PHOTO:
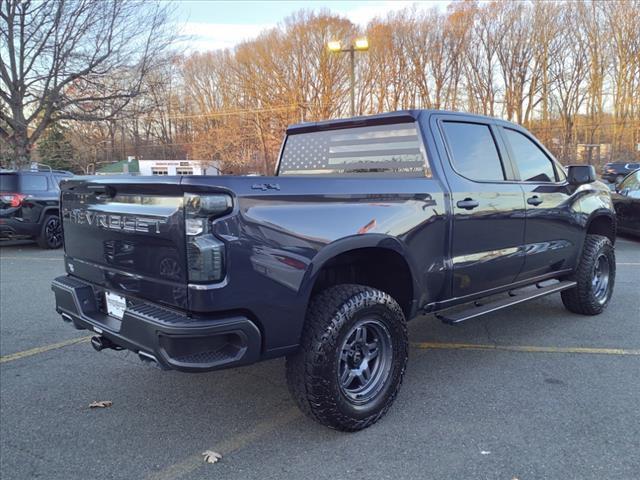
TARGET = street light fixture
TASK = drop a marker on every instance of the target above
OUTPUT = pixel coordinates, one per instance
(359, 45)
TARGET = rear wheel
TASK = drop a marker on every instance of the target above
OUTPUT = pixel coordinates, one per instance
(51, 234)
(595, 277)
(352, 357)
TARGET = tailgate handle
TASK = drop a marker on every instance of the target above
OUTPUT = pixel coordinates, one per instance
(103, 191)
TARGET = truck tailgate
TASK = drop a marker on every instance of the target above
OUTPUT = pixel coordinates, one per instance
(127, 237)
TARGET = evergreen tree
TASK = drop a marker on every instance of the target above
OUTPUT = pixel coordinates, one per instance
(55, 150)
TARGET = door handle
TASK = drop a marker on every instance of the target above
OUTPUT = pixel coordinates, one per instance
(467, 204)
(535, 200)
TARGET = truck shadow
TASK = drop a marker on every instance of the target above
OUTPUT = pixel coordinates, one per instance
(213, 405)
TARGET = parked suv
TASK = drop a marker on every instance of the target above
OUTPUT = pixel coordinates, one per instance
(30, 205)
(616, 171)
(369, 222)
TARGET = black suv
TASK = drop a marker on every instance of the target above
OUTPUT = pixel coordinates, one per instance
(614, 172)
(29, 205)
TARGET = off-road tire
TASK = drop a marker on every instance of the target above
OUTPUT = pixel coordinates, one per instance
(46, 239)
(582, 298)
(312, 372)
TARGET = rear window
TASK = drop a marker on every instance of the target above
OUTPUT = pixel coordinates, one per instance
(33, 183)
(375, 150)
(8, 182)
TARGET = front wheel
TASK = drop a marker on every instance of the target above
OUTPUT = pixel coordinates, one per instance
(51, 234)
(352, 357)
(595, 277)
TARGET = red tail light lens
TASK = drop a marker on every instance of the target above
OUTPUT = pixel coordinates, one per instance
(13, 199)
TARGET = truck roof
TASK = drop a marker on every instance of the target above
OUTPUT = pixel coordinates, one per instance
(399, 116)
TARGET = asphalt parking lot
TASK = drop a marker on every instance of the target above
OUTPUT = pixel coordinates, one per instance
(543, 394)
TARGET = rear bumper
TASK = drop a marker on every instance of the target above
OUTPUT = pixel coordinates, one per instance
(175, 340)
(10, 228)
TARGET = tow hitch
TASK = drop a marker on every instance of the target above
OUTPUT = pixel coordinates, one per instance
(99, 343)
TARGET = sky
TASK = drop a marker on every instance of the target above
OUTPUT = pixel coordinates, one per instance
(211, 25)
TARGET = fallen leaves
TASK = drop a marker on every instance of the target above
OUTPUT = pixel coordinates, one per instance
(101, 404)
(211, 457)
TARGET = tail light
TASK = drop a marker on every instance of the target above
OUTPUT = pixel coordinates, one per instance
(13, 199)
(205, 253)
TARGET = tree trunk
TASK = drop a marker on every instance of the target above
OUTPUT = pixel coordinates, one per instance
(21, 147)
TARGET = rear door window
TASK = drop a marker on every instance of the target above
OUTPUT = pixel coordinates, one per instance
(33, 183)
(374, 150)
(533, 164)
(474, 151)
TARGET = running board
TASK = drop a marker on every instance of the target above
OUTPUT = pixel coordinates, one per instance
(513, 299)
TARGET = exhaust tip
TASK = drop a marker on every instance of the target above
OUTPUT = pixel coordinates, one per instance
(149, 359)
(98, 343)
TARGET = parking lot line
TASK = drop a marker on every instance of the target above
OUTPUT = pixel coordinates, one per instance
(226, 447)
(524, 348)
(419, 345)
(2, 257)
(45, 348)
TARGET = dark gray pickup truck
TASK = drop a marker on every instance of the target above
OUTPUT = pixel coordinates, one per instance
(369, 222)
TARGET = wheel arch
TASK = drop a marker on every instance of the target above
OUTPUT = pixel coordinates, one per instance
(378, 261)
(602, 222)
(51, 210)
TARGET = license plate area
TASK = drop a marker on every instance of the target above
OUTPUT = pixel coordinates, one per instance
(116, 304)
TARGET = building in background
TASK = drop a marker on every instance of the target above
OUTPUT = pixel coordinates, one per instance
(133, 166)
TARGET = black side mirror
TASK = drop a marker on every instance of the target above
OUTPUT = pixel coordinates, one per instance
(581, 174)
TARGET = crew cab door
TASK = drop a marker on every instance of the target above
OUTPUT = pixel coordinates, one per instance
(553, 237)
(488, 212)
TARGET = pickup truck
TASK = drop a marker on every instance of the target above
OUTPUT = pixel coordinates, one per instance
(369, 222)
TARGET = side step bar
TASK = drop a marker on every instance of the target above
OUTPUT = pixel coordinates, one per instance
(513, 299)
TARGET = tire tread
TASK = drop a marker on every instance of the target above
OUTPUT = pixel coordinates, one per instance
(327, 313)
(580, 298)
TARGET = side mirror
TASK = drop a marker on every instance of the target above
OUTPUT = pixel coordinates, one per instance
(581, 174)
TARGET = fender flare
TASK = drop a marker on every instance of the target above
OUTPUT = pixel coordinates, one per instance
(356, 242)
(601, 212)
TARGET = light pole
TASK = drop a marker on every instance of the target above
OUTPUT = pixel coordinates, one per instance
(360, 45)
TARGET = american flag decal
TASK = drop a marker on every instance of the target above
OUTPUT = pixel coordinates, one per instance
(372, 150)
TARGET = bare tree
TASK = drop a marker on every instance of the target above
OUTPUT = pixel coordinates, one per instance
(62, 60)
